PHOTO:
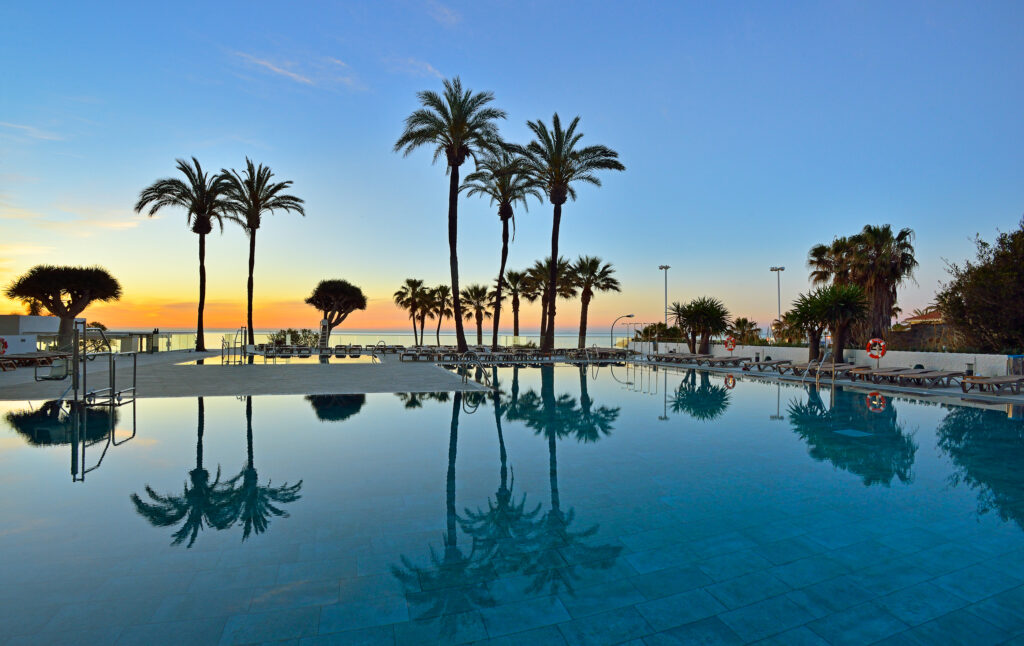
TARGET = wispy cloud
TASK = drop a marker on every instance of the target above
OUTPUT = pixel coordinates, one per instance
(415, 67)
(19, 249)
(30, 131)
(275, 68)
(444, 15)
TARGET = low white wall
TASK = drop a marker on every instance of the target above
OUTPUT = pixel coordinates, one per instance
(17, 344)
(22, 324)
(988, 365)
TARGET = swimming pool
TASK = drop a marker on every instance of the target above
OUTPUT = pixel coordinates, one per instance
(577, 505)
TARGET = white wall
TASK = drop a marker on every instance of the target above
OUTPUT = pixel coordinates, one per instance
(20, 324)
(18, 344)
(988, 365)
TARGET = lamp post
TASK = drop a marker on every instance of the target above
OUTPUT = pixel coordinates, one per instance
(778, 285)
(665, 268)
(612, 333)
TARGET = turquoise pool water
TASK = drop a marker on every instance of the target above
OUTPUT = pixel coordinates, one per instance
(576, 506)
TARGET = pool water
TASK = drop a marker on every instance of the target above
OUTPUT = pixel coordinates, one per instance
(575, 506)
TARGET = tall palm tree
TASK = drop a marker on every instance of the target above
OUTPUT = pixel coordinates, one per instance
(591, 275)
(682, 316)
(502, 177)
(440, 306)
(516, 281)
(250, 197)
(457, 124)
(249, 502)
(556, 164)
(477, 302)
(204, 198)
(709, 317)
(203, 504)
(412, 296)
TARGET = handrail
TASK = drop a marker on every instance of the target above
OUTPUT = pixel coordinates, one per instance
(475, 360)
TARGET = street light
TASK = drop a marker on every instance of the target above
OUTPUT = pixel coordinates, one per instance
(665, 268)
(612, 333)
(778, 283)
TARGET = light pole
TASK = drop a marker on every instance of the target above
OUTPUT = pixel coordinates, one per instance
(665, 268)
(778, 284)
(612, 333)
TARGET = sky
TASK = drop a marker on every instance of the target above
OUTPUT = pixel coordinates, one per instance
(749, 132)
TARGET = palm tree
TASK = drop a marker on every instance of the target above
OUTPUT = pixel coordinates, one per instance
(540, 274)
(875, 259)
(705, 402)
(457, 124)
(682, 316)
(203, 504)
(591, 274)
(709, 317)
(335, 299)
(249, 502)
(842, 306)
(412, 296)
(477, 301)
(440, 306)
(556, 164)
(250, 197)
(65, 292)
(502, 177)
(744, 330)
(808, 315)
(204, 198)
(516, 281)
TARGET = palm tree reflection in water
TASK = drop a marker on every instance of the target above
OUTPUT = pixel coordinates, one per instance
(250, 503)
(199, 505)
(508, 537)
(705, 402)
(872, 445)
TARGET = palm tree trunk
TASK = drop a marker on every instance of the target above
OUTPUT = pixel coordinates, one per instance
(453, 254)
(584, 304)
(453, 444)
(200, 428)
(440, 317)
(503, 488)
(479, 328)
(249, 430)
(501, 280)
(423, 323)
(543, 317)
(412, 317)
(200, 340)
(515, 316)
(549, 339)
(249, 285)
(66, 333)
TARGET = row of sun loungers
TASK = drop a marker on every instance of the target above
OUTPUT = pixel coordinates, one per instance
(15, 361)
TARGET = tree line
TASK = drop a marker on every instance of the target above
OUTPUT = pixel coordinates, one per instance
(585, 277)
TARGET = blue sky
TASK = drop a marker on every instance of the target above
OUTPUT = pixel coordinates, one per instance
(750, 131)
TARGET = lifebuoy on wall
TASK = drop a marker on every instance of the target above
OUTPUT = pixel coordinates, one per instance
(875, 401)
(3, 345)
(730, 343)
(876, 348)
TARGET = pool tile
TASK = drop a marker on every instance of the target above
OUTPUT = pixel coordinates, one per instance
(732, 565)
(958, 627)
(300, 571)
(79, 637)
(661, 558)
(99, 615)
(708, 632)
(678, 609)
(612, 627)
(665, 583)
(889, 577)
(524, 615)
(238, 577)
(766, 618)
(747, 589)
(193, 631)
(546, 636)
(362, 612)
(198, 605)
(713, 546)
(459, 628)
(802, 636)
(830, 596)
(295, 595)
(808, 571)
(857, 626)
(911, 540)
(375, 636)
(920, 603)
(976, 582)
(1004, 610)
(600, 598)
(275, 625)
(789, 549)
(864, 554)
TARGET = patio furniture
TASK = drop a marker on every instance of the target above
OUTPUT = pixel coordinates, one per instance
(762, 365)
(994, 385)
(930, 379)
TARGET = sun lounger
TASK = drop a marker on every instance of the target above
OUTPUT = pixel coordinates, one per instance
(723, 361)
(834, 369)
(892, 375)
(762, 365)
(796, 369)
(993, 385)
(867, 373)
(929, 379)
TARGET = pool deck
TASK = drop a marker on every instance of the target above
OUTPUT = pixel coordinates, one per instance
(161, 376)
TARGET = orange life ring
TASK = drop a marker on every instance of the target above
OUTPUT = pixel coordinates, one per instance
(875, 401)
(876, 348)
(3, 345)
(730, 343)
(730, 382)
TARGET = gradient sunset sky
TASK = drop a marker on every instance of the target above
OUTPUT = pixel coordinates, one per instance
(750, 132)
